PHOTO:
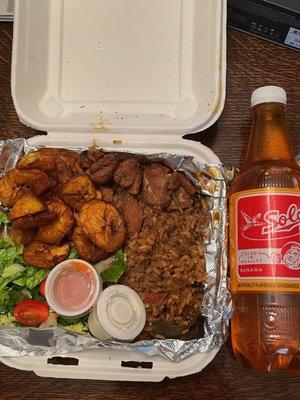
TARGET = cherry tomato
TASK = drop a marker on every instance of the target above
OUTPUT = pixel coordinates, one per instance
(42, 288)
(31, 312)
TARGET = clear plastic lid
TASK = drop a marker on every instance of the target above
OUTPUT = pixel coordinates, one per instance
(121, 312)
(72, 287)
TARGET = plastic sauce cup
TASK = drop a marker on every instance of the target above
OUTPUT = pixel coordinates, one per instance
(72, 288)
(120, 314)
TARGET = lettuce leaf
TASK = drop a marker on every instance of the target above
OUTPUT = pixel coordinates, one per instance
(6, 242)
(12, 270)
(8, 320)
(73, 254)
(116, 269)
(9, 297)
(35, 278)
(4, 301)
(10, 273)
(79, 328)
(9, 253)
(31, 277)
(18, 280)
(4, 218)
(67, 321)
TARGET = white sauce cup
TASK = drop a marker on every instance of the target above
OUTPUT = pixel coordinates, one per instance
(72, 288)
(120, 314)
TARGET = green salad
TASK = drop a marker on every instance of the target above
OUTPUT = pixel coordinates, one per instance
(18, 280)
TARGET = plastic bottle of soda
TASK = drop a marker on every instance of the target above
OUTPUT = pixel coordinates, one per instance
(265, 242)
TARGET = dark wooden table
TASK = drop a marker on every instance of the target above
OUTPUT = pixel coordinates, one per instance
(251, 63)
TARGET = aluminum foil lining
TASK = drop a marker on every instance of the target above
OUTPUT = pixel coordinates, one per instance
(217, 306)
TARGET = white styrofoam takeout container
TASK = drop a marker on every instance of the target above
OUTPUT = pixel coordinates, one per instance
(128, 75)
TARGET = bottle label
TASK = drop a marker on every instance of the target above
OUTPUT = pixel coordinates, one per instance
(265, 240)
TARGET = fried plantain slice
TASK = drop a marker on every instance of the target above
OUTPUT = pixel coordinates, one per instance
(44, 158)
(58, 151)
(86, 249)
(16, 179)
(36, 180)
(60, 164)
(77, 191)
(27, 204)
(20, 236)
(38, 160)
(43, 255)
(56, 230)
(66, 168)
(103, 224)
(8, 189)
(34, 221)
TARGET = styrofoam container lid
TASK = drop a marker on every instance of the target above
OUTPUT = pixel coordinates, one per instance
(119, 66)
(130, 75)
(121, 312)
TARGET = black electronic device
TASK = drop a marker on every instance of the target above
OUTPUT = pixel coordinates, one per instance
(275, 20)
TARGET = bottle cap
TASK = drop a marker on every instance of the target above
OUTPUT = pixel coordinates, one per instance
(268, 94)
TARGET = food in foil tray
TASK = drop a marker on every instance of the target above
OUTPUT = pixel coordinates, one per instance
(141, 225)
